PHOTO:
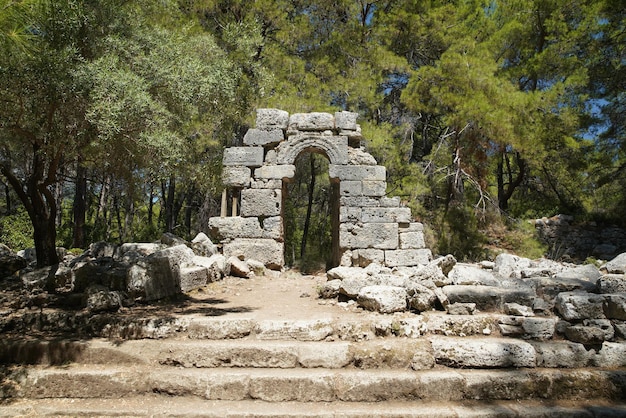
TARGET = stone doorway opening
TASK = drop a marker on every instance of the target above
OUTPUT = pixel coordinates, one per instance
(310, 215)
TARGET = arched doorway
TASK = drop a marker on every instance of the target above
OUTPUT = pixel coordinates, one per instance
(310, 214)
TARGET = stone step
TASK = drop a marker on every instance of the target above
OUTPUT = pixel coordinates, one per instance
(400, 353)
(152, 405)
(316, 385)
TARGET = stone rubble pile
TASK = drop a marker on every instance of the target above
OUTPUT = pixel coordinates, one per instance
(110, 276)
(539, 300)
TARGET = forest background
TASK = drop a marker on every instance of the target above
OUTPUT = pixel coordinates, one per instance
(114, 113)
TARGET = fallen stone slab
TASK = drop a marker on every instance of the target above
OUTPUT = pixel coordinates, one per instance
(464, 274)
(616, 265)
(612, 354)
(384, 299)
(482, 352)
(612, 283)
(489, 298)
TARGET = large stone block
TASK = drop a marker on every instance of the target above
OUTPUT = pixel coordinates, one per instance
(236, 176)
(235, 227)
(268, 119)
(193, 277)
(346, 120)
(358, 172)
(273, 228)
(381, 236)
(268, 172)
(243, 156)
(385, 215)
(267, 251)
(612, 283)
(363, 257)
(561, 354)
(266, 184)
(351, 188)
(385, 299)
(579, 305)
(413, 240)
(482, 352)
(408, 257)
(315, 121)
(376, 188)
(615, 306)
(350, 214)
(489, 297)
(261, 202)
(359, 201)
(263, 137)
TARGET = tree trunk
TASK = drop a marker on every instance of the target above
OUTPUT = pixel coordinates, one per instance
(7, 199)
(79, 208)
(507, 186)
(169, 205)
(41, 206)
(309, 208)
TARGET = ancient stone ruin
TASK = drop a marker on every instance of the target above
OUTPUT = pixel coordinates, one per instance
(367, 225)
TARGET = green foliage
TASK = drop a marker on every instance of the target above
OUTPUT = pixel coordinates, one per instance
(459, 235)
(522, 239)
(16, 231)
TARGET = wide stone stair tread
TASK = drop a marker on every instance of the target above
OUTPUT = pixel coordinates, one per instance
(320, 385)
(154, 405)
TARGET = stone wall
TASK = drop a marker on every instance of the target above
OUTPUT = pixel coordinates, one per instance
(569, 240)
(367, 225)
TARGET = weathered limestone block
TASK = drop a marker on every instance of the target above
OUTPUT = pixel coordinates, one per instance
(356, 156)
(352, 286)
(585, 334)
(267, 172)
(390, 202)
(381, 236)
(266, 184)
(611, 355)
(359, 201)
(237, 267)
(489, 297)
(215, 266)
(314, 121)
(203, 246)
(533, 328)
(267, 251)
(465, 274)
(343, 273)
(561, 354)
(386, 215)
(350, 214)
(612, 283)
(346, 120)
(412, 236)
(407, 257)
(263, 137)
(374, 188)
(363, 257)
(269, 119)
(384, 299)
(617, 265)
(193, 277)
(243, 156)
(261, 202)
(579, 305)
(550, 287)
(334, 147)
(273, 228)
(330, 289)
(351, 188)
(482, 352)
(420, 298)
(516, 309)
(358, 172)
(461, 308)
(158, 275)
(235, 227)
(615, 306)
(509, 265)
(604, 324)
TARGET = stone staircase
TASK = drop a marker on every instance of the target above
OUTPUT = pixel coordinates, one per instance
(243, 367)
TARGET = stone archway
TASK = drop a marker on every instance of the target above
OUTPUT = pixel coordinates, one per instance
(370, 227)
